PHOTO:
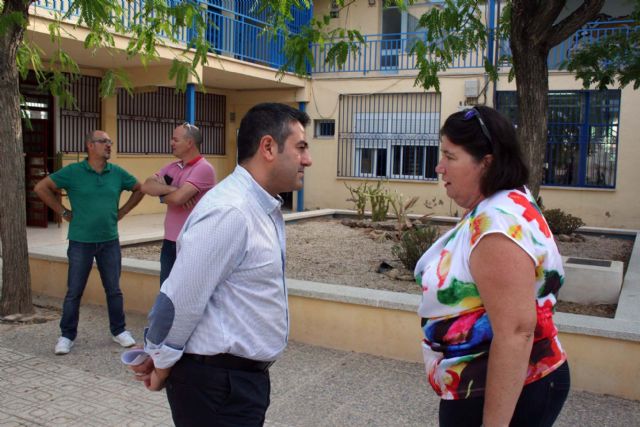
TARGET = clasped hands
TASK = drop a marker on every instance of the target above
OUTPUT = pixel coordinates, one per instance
(154, 378)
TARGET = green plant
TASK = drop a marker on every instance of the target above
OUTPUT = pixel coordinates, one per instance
(359, 196)
(561, 222)
(400, 208)
(413, 243)
(379, 198)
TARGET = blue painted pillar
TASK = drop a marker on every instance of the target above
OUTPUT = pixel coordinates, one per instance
(191, 103)
(300, 202)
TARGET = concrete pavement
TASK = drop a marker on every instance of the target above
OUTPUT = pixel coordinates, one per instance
(312, 386)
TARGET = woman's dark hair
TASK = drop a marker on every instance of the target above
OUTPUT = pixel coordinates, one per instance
(482, 130)
(267, 119)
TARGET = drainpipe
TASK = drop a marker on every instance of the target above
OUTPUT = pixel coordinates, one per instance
(300, 201)
(492, 27)
(491, 46)
(191, 103)
(497, 54)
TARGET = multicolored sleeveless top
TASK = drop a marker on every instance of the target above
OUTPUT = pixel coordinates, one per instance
(457, 331)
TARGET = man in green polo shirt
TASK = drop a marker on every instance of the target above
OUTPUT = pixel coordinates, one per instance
(94, 187)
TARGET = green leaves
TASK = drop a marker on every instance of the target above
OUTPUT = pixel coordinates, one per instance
(613, 60)
(336, 44)
(348, 41)
(62, 61)
(29, 56)
(96, 14)
(12, 19)
(149, 24)
(180, 73)
(113, 79)
(454, 31)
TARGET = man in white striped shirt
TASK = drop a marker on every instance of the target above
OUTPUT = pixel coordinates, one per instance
(221, 317)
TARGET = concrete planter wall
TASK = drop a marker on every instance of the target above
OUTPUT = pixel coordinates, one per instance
(603, 353)
(591, 281)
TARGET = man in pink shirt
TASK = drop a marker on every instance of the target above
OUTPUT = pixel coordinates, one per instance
(180, 185)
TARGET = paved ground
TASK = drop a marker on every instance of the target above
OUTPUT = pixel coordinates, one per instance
(312, 386)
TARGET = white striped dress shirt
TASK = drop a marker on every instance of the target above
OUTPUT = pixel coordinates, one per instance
(226, 292)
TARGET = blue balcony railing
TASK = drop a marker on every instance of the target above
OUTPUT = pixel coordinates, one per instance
(234, 27)
(242, 37)
(391, 52)
(590, 33)
(385, 52)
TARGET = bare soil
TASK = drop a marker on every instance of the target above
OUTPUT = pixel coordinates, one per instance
(325, 250)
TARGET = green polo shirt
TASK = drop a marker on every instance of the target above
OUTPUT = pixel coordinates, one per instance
(94, 199)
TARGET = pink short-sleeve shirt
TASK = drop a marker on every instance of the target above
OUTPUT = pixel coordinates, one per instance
(198, 173)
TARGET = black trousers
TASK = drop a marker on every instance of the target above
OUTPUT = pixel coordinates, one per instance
(204, 395)
(539, 404)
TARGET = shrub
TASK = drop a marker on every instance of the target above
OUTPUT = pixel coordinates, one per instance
(380, 200)
(401, 207)
(561, 222)
(415, 242)
(359, 196)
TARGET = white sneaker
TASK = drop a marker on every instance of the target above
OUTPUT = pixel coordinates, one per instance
(125, 339)
(63, 346)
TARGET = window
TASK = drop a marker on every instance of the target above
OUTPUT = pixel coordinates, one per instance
(400, 29)
(393, 136)
(76, 121)
(146, 120)
(324, 128)
(582, 146)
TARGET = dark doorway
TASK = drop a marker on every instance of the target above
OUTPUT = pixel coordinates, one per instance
(288, 201)
(38, 146)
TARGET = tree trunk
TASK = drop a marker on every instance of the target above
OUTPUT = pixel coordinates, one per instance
(16, 279)
(534, 31)
(533, 89)
(532, 86)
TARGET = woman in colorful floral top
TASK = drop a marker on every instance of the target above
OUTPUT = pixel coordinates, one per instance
(489, 286)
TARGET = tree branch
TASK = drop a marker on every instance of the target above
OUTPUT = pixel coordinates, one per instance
(545, 13)
(572, 23)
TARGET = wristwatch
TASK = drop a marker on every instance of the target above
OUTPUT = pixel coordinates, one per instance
(65, 212)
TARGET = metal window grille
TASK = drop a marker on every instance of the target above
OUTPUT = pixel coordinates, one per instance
(324, 128)
(391, 136)
(582, 146)
(83, 117)
(210, 118)
(146, 121)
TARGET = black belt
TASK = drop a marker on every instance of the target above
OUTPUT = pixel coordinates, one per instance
(229, 361)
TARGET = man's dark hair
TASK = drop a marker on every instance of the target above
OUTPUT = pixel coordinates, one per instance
(267, 119)
(508, 169)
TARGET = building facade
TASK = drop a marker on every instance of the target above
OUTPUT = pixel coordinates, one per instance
(369, 121)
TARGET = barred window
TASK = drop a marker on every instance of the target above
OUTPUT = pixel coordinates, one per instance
(81, 118)
(324, 128)
(392, 136)
(146, 120)
(582, 145)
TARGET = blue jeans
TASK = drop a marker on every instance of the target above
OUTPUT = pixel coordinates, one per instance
(539, 404)
(167, 259)
(108, 258)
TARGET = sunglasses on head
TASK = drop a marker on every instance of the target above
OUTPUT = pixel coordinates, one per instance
(188, 125)
(473, 112)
